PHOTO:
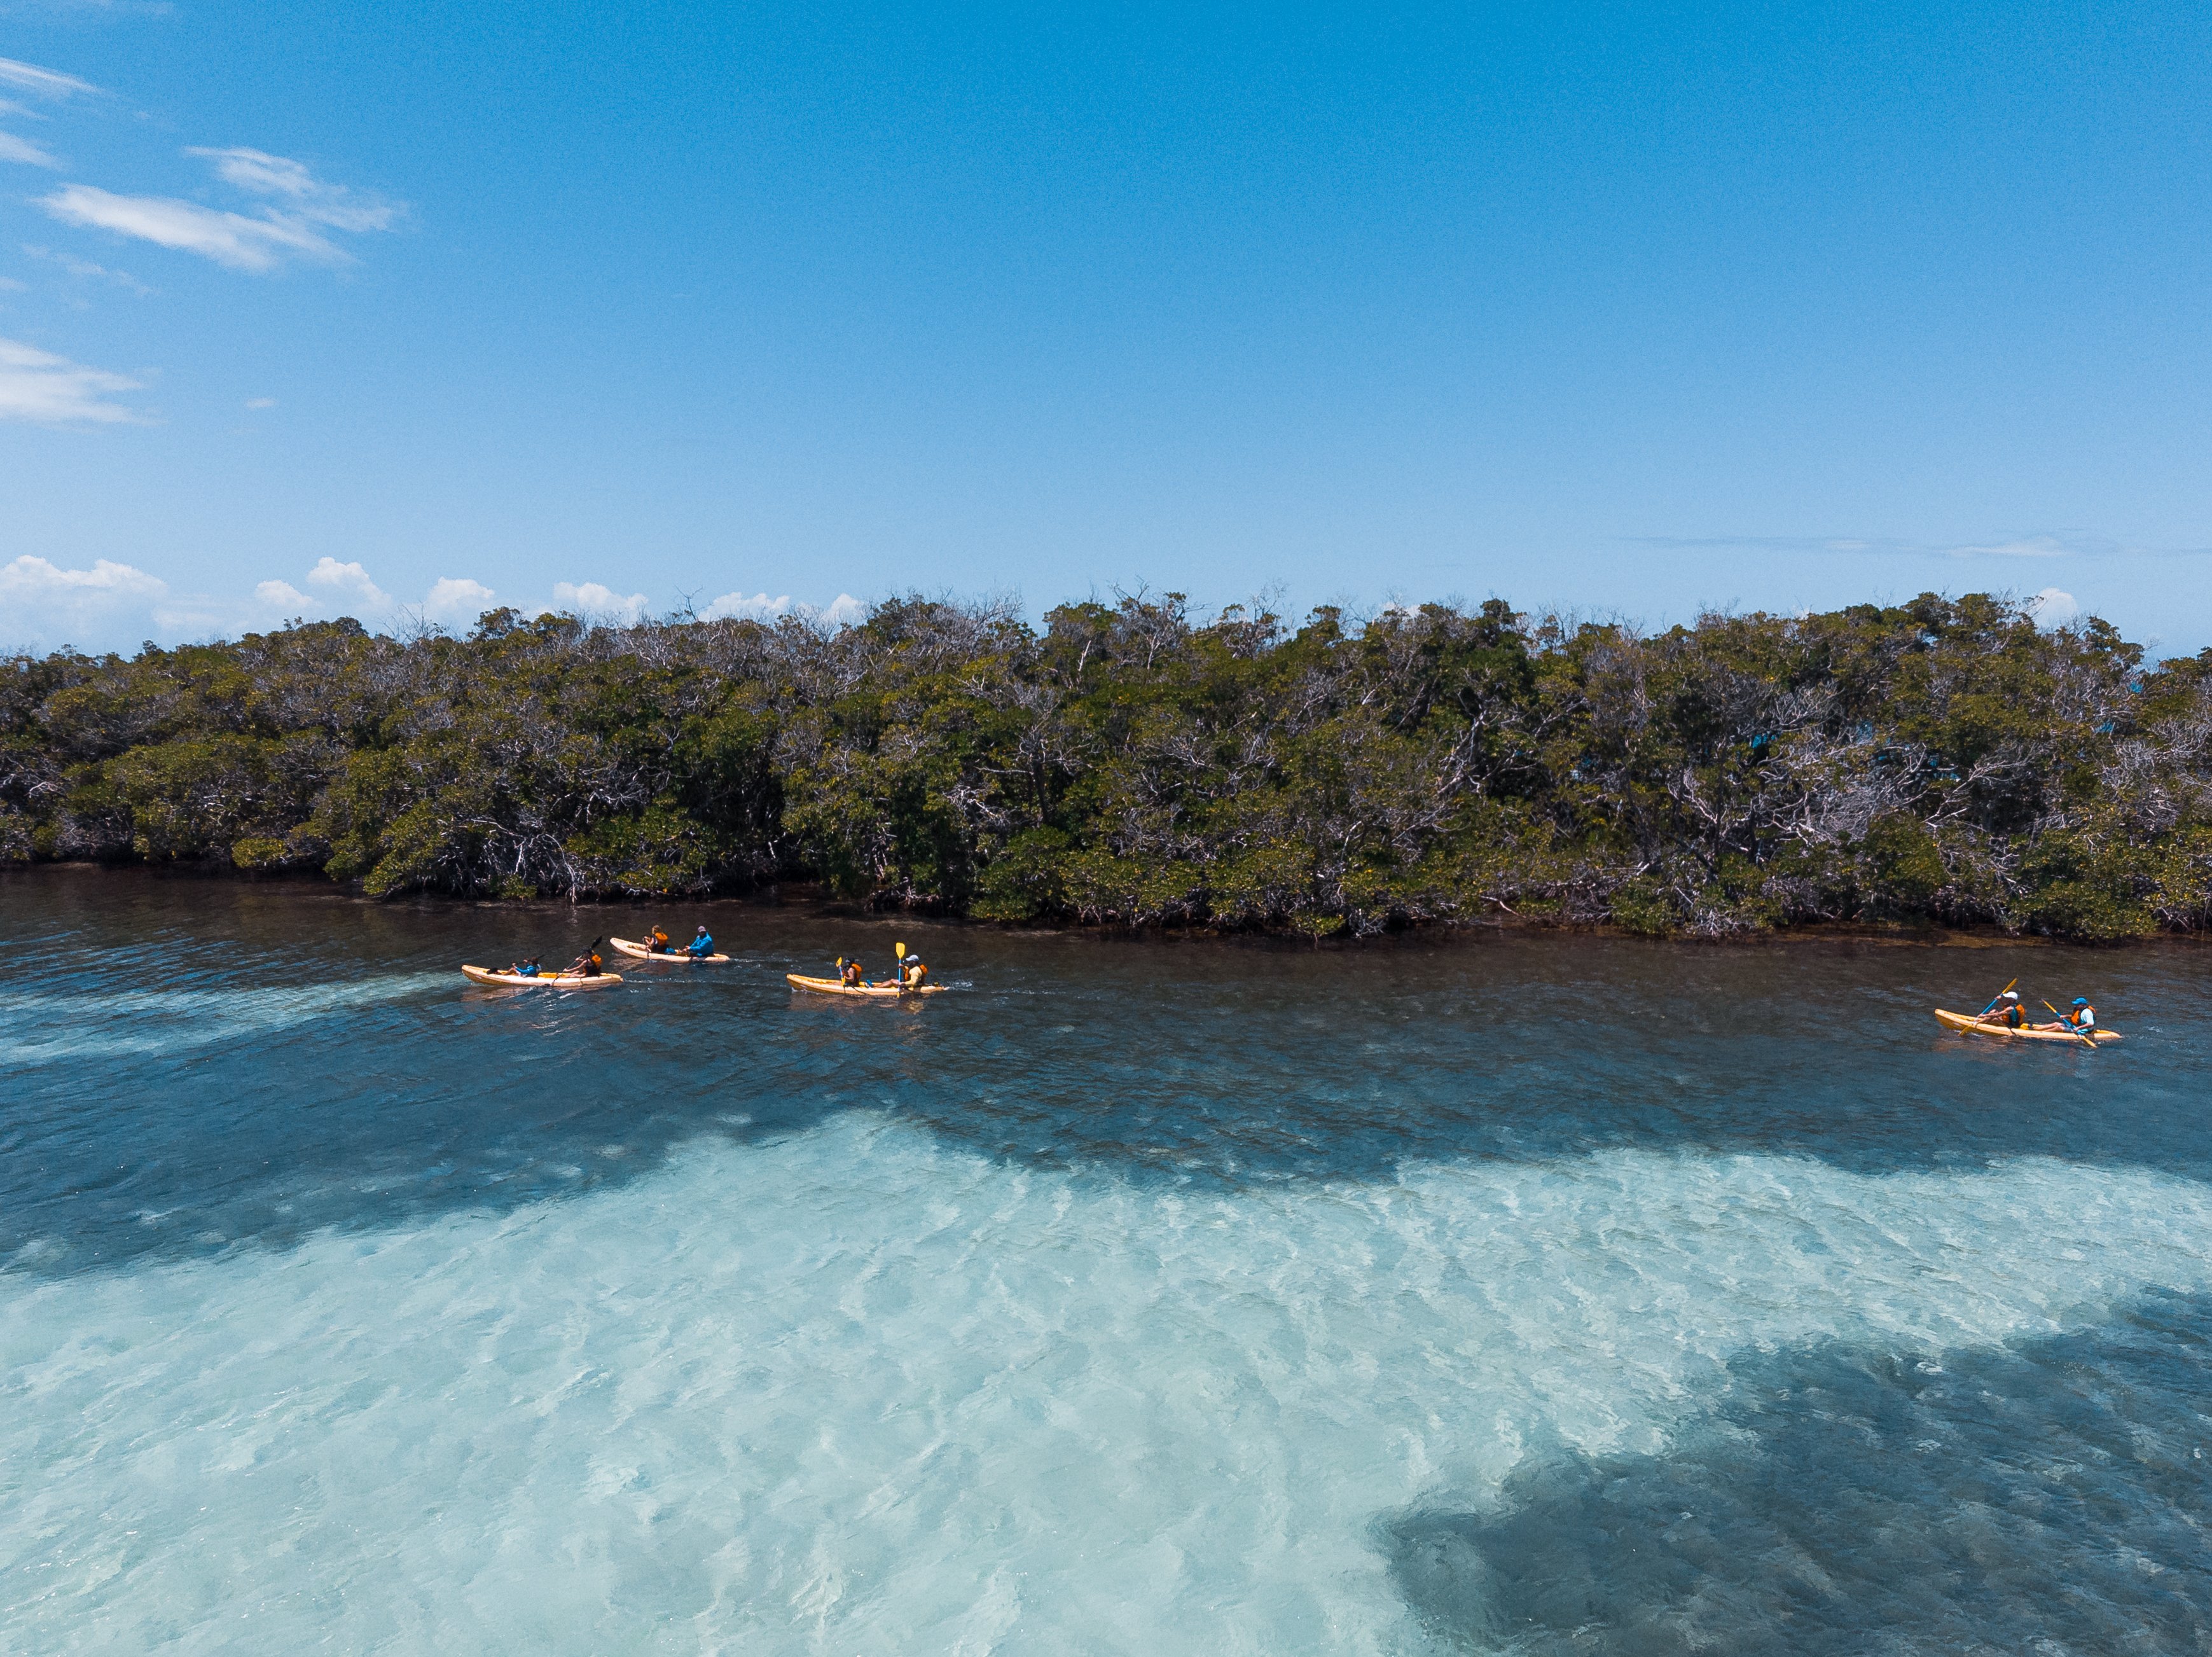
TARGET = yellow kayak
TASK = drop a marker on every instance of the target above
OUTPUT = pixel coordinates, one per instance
(645, 953)
(543, 981)
(1965, 1025)
(831, 987)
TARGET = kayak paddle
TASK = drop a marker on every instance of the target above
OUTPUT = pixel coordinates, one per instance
(2089, 1041)
(1993, 1000)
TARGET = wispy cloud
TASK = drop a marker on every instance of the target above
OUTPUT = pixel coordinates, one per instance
(38, 385)
(48, 83)
(85, 270)
(2029, 546)
(304, 209)
(12, 148)
(234, 240)
(261, 402)
(306, 197)
(2018, 546)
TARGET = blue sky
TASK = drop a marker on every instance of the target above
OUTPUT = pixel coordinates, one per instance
(387, 309)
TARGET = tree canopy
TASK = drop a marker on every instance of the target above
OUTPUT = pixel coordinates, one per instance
(1946, 759)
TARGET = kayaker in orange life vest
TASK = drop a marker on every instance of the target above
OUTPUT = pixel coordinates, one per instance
(657, 940)
(590, 963)
(2004, 1010)
(2081, 1018)
(851, 977)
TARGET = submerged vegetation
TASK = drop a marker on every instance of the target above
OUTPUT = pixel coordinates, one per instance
(1944, 760)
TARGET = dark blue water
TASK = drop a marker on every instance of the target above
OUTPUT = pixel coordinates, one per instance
(1560, 1293)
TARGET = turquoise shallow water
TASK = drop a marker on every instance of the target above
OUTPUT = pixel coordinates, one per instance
(1506, 1294)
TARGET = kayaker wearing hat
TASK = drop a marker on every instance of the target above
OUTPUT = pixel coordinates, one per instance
(2005, 1010)
(2081, 1018)
(913, 972)
(590, 963)
(702, 944)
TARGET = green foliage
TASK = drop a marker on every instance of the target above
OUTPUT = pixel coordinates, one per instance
(1128, 764)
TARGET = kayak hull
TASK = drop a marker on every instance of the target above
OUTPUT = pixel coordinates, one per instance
(880, 991)
(644, 953)
(543, 981)
(1965, 1025)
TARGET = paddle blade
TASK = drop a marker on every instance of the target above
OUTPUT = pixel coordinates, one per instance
(899, 949)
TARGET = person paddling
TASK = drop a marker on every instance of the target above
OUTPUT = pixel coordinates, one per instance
(2005, 1010)
(526, 968)
(2081, 1018)
(702, 944)
(657, 941)
(590, 963)
(850, 976)
(915, 971)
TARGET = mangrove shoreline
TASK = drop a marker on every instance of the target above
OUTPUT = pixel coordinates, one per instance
(1945, 764)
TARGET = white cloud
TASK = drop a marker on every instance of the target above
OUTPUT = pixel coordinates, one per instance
(33, 578)
(303, 207)
(36, 385)
(352, 578)
(257, 245)
(457, 598)
(46, 604)
(593, 599)
(307, 197)
(12, 148)
(2053, 608)
(41, 83)
(840, 612)
(284, 598)
(2029, 546)
(759, 608)
(261, 402)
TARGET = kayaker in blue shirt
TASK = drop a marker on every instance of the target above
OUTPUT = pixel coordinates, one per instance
(702, 944)
(526, 968)
(2081, 1018)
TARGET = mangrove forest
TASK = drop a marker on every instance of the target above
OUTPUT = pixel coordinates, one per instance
(1947, 761)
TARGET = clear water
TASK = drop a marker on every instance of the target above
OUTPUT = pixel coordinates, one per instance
(1531, 1294)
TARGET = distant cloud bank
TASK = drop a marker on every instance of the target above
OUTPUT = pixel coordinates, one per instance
(108, 605)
